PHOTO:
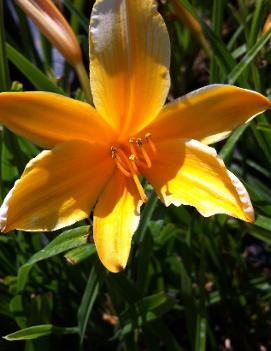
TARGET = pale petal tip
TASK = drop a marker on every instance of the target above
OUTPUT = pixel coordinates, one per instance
(4, 211)
(247, 208)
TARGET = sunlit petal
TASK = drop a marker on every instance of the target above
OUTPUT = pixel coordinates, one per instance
(129, 59)
(190, 173)
(57, 188)
(208, 114)
(47, 119)
(116, 218)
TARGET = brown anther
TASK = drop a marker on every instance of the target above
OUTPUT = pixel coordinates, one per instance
(147, 136)
(131, 140)
(139, 141)
(113, 151)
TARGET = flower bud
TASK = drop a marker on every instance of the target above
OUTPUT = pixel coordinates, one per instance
(267, 24)
(54, 26)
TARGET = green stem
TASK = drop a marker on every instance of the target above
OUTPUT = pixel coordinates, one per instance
(84, 81)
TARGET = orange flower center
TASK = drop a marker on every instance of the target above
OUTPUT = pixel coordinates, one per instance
(130, 160)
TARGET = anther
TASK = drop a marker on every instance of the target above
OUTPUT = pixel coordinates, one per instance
(113, 152)
(139, 141)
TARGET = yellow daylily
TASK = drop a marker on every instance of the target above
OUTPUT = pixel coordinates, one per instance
(96, 157)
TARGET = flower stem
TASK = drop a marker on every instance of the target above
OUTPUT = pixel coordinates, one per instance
(84, 81)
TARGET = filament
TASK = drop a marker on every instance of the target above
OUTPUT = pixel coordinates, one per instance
(150, 142)
(123, 163)
(144, 152)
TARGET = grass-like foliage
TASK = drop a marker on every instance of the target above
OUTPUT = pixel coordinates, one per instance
(191, 283)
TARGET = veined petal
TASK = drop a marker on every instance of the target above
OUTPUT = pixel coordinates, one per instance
(47, 119)
(58, 187)
(190, 173)
(116, 218)
(54, 26)
(208, 114)
(129, 60)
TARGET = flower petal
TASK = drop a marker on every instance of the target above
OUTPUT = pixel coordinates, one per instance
(190, 173)
(129, 60)
(208, 114)
(47, 119)
(116, 217)
(57, 188)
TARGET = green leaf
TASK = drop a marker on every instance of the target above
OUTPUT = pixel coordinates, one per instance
(264, 127)
(263, 222)
(248, 58)
(38, 331)
(227, 149)
(145, 218)
(256, 23)
(217, 21)
(78, 15)
(200, 344)
(31, 72)
(92, 288)
(80, 253)
(64, 242)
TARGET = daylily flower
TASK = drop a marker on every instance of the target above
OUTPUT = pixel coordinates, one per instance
(57, 30)
(96, 157)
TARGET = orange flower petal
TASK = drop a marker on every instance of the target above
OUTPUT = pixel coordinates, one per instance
(116, 217)
(208, 114)
(57, 188)
(190, 173)
(54, 26)
(47, 119)
(129, 60)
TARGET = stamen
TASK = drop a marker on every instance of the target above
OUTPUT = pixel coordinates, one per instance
(144, 152)
(134, 152)
(134, 171)
(150, 142)
(121, 168)
(132, 147)
(124, 164)
(132, 158)
(140, 189)
(119, 161)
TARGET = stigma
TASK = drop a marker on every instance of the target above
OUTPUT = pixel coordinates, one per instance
(132, 157)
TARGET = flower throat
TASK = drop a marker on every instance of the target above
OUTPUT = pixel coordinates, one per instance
(137, 156)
